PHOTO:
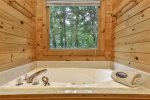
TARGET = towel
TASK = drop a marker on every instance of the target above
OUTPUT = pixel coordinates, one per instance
(128, 78)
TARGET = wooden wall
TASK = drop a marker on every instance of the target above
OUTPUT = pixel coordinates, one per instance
(18, 19)
(17, 33)
(131, 23)
(42, 34)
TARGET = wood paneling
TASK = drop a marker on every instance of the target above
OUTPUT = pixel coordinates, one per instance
(12, 11)
(17, 35)
(122, 5)
(144, 4)
(104, 51)
(97, 96)
(132, 35)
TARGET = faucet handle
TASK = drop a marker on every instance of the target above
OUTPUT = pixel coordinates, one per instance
(35, 81)
(19, 81)
(45, 81)
(26, 77)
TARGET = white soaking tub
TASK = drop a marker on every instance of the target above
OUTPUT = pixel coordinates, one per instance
(70, 78)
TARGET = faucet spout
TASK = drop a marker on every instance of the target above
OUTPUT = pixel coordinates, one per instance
(30, 79)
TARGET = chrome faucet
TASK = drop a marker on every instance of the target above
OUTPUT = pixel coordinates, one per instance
(30, 79)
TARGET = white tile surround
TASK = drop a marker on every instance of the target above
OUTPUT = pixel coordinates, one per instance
(9, 75)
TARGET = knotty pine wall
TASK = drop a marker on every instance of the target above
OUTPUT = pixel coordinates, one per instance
(131, 24)
(17, 33)
(42, 32)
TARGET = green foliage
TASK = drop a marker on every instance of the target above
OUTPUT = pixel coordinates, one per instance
(73, 27)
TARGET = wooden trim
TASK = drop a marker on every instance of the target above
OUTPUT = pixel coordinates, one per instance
(105, 41)
(73, 52)
(76, 97)
(68, 52)
(71, 58)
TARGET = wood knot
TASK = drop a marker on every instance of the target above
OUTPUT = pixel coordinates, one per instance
(23, 50)
(136, 58)
(44, 47)
(103, 31)
(129, 63)
(87, 59)
(133, 29)
(67, 60)
(1, 26)
(41, 36)
(12, 27)
(11, 55)
(143, 15)
(21, 22)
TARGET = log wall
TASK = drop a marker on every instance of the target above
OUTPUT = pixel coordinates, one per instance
(131, 28)
(17, 33)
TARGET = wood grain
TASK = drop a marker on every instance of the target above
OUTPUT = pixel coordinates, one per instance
(76, 97)
(17, 36)
(132, 36)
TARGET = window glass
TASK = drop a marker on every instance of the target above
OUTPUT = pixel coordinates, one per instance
(73, 27)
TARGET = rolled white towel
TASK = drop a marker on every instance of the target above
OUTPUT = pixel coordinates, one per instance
(129, 78)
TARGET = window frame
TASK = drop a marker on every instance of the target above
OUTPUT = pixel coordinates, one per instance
(99, 51)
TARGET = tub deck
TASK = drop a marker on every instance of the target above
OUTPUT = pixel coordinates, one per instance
(103, 88)
(71, 78)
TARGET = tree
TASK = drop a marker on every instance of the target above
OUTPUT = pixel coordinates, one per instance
(73, 27)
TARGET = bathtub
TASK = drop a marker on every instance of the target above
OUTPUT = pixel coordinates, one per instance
(70, 78)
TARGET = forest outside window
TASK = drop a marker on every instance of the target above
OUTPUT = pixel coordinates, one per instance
(73, 27)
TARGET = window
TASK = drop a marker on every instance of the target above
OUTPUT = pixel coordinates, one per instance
(73, 27)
